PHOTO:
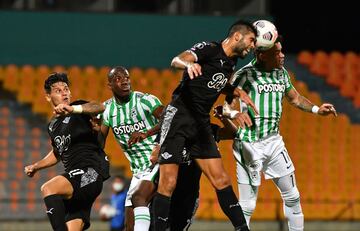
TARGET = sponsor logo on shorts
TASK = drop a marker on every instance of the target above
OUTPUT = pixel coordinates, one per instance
(166, 155)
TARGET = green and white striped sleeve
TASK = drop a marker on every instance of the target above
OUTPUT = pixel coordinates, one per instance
(106, 114)
(288, 84)
(150, 102)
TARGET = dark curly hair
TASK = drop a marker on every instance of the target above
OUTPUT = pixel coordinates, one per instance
(54, 78)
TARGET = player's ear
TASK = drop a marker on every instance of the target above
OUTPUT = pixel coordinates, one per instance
(47, 97)
(237, 36)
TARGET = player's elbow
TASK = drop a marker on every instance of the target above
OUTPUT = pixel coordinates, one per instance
(174, 61)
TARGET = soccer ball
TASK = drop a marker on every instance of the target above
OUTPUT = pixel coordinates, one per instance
(107, 212)
(267, 34)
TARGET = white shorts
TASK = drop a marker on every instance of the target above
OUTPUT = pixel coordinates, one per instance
(267, 155)
(149, 175)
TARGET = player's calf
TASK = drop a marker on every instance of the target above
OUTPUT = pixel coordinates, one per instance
(292, 209)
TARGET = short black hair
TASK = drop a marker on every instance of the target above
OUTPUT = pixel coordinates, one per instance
(117, 70)
(54, 78)
(244, 27)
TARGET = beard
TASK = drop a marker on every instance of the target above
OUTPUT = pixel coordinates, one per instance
(239, 49)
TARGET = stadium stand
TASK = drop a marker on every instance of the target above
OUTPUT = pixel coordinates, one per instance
(341, 71)
(322, 149)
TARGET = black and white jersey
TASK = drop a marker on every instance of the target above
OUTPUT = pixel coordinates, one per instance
(200, 93)
(75, 143)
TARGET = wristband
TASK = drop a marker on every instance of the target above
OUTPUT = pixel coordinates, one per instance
(233, 113)
(315, 109)
(77, 109)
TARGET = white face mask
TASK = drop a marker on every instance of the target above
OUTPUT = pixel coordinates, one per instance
(117, 187)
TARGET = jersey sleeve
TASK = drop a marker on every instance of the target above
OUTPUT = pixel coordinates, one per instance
(239, 78)
(106, 114)
(201, 51)
(150, 103)
(288, 84)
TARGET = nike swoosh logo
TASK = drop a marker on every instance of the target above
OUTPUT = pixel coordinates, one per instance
(287, 167)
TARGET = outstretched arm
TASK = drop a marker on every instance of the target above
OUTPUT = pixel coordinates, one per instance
(304, 104)
(91, 108)
(186, 60)
(49, 160)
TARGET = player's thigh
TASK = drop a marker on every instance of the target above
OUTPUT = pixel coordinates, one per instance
(168, 178)
(214, 170)
(281, 165)
(75, 225)
(144, 193)
(285, 183)
(129, 218)
(57, 185)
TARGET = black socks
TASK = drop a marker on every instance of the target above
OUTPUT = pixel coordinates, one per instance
(55, 210)
(231, 207)
(160, 212)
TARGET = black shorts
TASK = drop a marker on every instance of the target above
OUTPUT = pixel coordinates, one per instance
(185, 199)
(180, 129)
(87, 185)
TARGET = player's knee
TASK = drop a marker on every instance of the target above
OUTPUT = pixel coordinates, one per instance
(291, 197)
(221, 181)
(167, 185)
(138, 199)
(46, 190)
(248, 206)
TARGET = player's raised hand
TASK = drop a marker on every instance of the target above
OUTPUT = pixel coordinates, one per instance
(326, 109)
(30, 170)
(136, 137)
(246, 99)
(63, 109)
(194, 70)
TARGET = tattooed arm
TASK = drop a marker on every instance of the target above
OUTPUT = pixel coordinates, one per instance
(304, 104)
(91, 108)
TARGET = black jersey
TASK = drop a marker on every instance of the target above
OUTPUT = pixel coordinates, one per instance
(76, 144)
(200, 93)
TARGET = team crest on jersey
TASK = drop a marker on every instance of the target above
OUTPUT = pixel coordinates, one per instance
(281, 76)
(218, 81)
(62, 143)
(133, 113)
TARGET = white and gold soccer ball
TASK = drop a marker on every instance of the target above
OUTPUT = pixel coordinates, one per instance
(267, 34)
(107, 212)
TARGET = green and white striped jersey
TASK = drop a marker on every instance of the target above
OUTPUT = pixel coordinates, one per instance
(135, 115)
(266, 90)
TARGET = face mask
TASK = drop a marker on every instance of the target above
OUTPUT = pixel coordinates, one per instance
(118, 186)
